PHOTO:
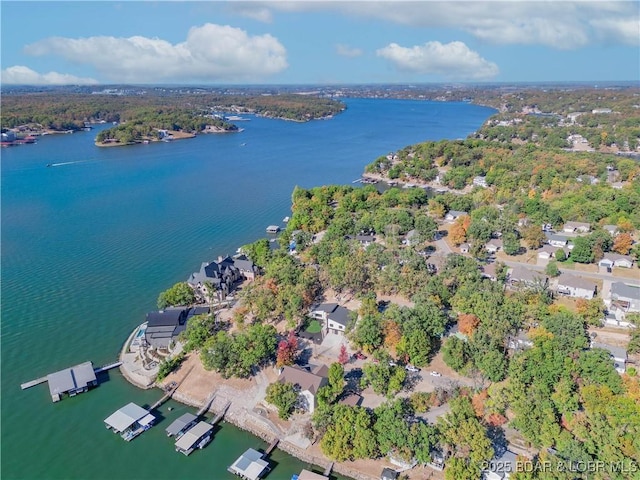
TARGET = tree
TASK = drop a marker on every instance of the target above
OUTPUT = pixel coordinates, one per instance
(622, 243)
(383, 378)
(455, 353)
(180, 294)
(592, 311)
(510, 243)
(560, 255)
(343, 356)
(533, 236)
(467, 324)
(287, 350)
(284, 396)
(634, 342)
(582, 251)
(552, 269)
(458, 231)
(336, 379)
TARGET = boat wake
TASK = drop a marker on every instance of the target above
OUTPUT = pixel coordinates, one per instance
(65, 163)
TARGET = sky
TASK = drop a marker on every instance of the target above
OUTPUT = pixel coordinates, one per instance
(318, 42)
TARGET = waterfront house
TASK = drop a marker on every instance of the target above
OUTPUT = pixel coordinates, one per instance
(307, 382)
(222, 274)
(576, 287)
(453, 215)
(71, 381)
(576, 227)
(181, 425)
(334, 317)
(197, 436)
(250, 465)
(520, 277)
(245, 266)
(164, 326)
(130, 421)
(618, 355)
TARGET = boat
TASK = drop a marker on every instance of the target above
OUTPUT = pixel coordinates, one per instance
(286, 219)
(273, 229)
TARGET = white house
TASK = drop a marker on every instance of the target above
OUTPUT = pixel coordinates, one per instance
(556, 240)
(616, 260)
(501, 468)
(493, 245)
(453, 215)
(612, 229)
(334, 317)
(618, 355)
(622, 299)
(308, 383)
(480, 181)
(576, 287)
(576, 227)
(464, 248)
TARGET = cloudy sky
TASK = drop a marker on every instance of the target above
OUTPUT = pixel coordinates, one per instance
(307, 42)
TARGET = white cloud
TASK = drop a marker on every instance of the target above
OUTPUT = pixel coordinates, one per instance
(209, 53)
(560, 24)
(21, 75)
(451, 60)
(347, 51)
(253, 11)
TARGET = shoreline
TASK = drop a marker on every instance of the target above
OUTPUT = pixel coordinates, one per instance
(236, 415)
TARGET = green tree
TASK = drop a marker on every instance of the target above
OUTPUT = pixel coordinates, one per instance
(456, 353)
(582, 250)
(552, 269)
(180, 294)
(284, 396)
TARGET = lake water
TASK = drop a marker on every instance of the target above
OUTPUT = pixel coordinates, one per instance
(87, 246)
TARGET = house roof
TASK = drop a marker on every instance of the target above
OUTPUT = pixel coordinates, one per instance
(340, 315)
(388, 474)
(456, 213)
(123, 418)
(620, 289)
(521, 274)
(353, 400)
(71, 378)
(180, 423)
(305, 380)
(242, 262)
(616, 352)
(497, 242)
(193, 435)
(575, 225)
(326, 307)
(555, 237)
(614, 257)
(569, 280)
(167, 317)
(610, 228)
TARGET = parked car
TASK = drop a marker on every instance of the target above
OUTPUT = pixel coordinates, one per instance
(435, 374)
(411, 368)
(360, 356)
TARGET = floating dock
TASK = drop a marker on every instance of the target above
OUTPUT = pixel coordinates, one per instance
(273, 229)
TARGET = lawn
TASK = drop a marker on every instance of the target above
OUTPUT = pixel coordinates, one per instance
(313, 327)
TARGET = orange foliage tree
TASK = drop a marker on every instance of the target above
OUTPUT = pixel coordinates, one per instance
(622, 243)
(458, 232)
(467, 323)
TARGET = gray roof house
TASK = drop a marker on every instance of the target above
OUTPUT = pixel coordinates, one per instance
(556, 240)
(501, 468)
(222, 274)
(576, 227)
(308, 382)
(624, 297)
(576, 287)
(618, 355)
(454, 215)
(164, 326)
(335, 316)
(612, 229)
(611, 259)
(493, 245)
(522, 277)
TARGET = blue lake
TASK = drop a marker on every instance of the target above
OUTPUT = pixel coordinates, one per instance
(88, 245)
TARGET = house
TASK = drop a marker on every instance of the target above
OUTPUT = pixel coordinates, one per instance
(623, 299)
(453, 215)
(502, 467)
(308, 383)
(245, 266)
(364, 240)
(576, 227)
(618, 355)
(489, 271)
(520, 277)
(164, 326)
(411, 238)
(548, 252)
(612, 229)
(222, 274)
(520, 342)
(576, 287)
(250, 465)
(616, 260)
(480, 181)
(334, 316)
(71, 381)
(464, 248)
(493, 245)
(389, 474)
(556, 240)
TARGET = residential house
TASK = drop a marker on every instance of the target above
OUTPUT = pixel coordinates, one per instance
(520, 342)
(501, 468)
(308, 383)
(453, 215)
(623, 299)
(164, 326)
(464, 248)
(612, 229)
(618, 355)
(364, 240)
(611, 259)
(576, 227)
(557, 240)
(334, 317)
(489, 271)
(493, 245)
(222, 274)
(576, 287)
(245, 266)
(548, 252)
(520, 277)
(480, 181)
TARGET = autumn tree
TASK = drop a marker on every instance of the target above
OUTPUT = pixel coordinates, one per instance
(458, 231)
(533, 236)
(343, 356)
(622, 243)
(592, 311)
(467, 323)
(392, 335)
(287, 350)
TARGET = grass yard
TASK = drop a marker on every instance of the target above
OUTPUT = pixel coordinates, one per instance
(313, 327)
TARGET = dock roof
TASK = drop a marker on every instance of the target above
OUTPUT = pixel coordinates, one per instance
(308, 475)
(79, 376)
(123, 418)
(193, 435)
(249, 465)
(180, 423)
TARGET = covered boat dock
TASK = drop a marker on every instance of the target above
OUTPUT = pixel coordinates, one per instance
(250, 465)
(71, 380)
(196, 437)
(181, 425)
(130, 421)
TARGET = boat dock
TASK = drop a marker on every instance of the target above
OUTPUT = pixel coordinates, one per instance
(207, 404)
(33, 383)
(221, 413)
(40, 380)
(327, 471)
(271, 447)
(273, 229)
(109, 366)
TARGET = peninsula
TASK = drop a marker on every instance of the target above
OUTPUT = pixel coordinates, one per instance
(443, 335)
